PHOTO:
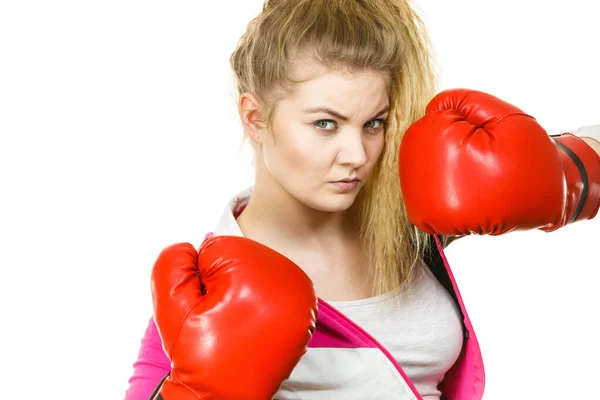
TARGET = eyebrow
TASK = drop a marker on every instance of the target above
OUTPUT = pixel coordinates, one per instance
(336, 114)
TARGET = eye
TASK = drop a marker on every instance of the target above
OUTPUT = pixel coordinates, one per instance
(326, 125)
(375, 125)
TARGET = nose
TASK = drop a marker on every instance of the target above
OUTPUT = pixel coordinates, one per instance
(352, 151)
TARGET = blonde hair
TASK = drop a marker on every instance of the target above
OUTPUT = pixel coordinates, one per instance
(386, 36)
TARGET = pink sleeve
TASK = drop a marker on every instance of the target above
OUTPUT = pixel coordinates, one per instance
(151, 366)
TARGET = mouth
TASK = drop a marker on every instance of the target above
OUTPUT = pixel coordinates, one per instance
(346, 185)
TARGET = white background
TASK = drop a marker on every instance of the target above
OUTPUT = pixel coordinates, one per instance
(119, 136)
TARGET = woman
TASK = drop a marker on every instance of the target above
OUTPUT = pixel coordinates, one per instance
(326, 90)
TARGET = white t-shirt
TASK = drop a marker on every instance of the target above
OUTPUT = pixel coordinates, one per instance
(422, 331)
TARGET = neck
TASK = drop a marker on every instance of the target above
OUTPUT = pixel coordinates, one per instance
(273, 215)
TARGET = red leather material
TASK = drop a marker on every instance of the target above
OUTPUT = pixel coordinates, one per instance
(477, 164)
(234, 317)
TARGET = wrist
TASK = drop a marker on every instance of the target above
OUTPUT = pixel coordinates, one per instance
(581, 164)
(593, 143)
(590, 135)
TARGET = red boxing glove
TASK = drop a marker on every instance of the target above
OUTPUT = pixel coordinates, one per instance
(476, 164)
(581, 165)
(234, 318)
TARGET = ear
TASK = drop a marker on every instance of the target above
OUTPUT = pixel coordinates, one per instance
(251, 113)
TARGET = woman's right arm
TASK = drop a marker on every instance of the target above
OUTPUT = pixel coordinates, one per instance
(151, 366)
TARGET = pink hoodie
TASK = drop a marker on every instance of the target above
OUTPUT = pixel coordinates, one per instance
(339, 341)
(337, 334)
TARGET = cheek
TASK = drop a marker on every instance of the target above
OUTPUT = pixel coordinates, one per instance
(374, 150)
(296, 148)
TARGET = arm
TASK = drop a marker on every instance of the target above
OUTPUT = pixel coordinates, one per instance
(580, 158)
(591, 135)
(593, 143)
(151, 366)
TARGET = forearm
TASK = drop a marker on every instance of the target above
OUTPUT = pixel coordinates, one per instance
(579, 153)
(590, 134)
(150, 367)
(593, 143)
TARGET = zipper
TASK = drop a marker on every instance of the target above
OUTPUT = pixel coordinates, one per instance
(375, 342)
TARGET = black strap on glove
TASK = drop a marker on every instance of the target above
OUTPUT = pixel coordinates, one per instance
(156, 394)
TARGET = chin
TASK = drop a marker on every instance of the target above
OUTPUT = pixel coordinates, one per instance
(334, 203)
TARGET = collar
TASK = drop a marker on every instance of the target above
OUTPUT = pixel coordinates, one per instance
(227, 225)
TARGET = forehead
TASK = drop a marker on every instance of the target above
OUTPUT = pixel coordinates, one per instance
(338, 86)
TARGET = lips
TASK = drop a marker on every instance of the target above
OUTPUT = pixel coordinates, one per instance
(346, 185)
